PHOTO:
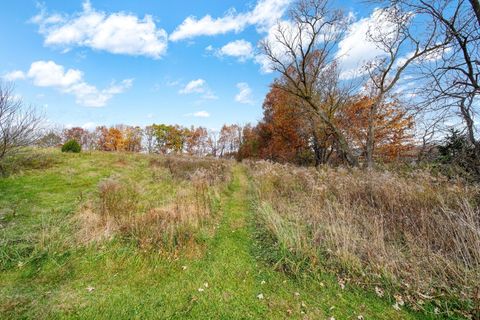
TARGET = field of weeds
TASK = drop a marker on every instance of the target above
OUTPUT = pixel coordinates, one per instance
(412, 237)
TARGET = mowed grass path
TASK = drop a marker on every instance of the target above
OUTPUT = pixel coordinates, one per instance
(241, 286)
(115, 280)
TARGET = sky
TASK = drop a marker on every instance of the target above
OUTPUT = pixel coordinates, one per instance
(98, 62)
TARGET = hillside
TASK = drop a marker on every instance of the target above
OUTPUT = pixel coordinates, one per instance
(55, 266)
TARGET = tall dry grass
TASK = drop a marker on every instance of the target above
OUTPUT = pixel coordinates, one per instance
(414, 234)
(122, 208)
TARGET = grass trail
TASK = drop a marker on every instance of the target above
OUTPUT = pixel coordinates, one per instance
(237, 280)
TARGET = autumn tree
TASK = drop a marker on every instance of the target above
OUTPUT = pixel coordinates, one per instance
(114, 140)
(132, 139)
(196, 141)
(285, 130)
(393, 134)
(169, 138)
(250, 146)
(302, 51)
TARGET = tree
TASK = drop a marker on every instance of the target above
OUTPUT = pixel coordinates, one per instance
(285, 131)
(132, 139)
(302, 52)
(229, 140)
(212, 142)
(18, 124)
(452, 74)
(196, 141)
(250, 146)
(393, 134)
(393, 33)
(149, 133)
(169, 138)
(114, 140)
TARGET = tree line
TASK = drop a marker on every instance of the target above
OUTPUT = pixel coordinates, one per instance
(155, 138)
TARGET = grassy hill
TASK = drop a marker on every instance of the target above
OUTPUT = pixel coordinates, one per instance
(131, 236)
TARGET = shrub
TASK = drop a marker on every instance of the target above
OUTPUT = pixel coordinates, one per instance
(71, 146)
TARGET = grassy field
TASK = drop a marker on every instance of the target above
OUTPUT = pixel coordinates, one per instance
(57, 262)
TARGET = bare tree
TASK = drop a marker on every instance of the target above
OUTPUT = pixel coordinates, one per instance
(453, 75)
(302, 51)
(18, 124)
(394, 33)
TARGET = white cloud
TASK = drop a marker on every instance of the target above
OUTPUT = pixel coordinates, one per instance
(355, 49)
(198, 86)
(240, 49)
(245, 93)
(50, 74)
(14, 75)
(118, 33)
(263, 15)
(201, 114)
(194, 86)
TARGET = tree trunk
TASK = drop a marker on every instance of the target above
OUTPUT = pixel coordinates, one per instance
(470, 124)
(342, 142)
(370, 143)
(476, 8)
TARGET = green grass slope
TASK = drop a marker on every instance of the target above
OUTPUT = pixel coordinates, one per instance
(45, 274)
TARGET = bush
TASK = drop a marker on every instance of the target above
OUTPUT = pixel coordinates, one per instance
(71, 146)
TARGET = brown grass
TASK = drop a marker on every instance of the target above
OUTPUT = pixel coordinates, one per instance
(121, 208)
(418, 233)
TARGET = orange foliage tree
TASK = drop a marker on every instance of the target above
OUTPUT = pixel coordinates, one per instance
(393, 134)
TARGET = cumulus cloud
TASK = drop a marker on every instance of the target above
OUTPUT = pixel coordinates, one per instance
(263, 15)
(240, 49)
(198, 86)
(194, 86)
(50, 74)
(355, 49)
(118, 33)
(14, 75)
(245, 93)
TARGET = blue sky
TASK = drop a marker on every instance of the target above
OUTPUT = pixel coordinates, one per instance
(88, 63)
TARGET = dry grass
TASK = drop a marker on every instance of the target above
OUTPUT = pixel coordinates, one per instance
(413, 233)
(122, 207)
(183, 167)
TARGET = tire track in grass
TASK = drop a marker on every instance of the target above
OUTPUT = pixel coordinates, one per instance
(231, 283)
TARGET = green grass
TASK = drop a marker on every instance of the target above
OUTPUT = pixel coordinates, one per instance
(45, 274)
